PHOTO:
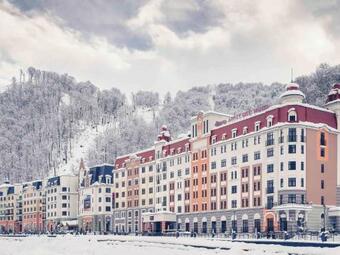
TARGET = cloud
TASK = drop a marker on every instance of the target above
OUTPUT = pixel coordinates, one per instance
(168, 45)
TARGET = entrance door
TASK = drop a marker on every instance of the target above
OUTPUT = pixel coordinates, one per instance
(107, 226)
(158, 227)
(196, 227)
(270, 225)
(187, 226)
(283, 224)
(257, 225)
(223, 226)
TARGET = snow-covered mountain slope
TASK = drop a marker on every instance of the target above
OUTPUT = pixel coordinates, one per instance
(83, 141)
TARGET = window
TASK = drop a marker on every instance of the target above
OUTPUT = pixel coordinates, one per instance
(270, 168)
(269, 120)
(257, 155)
(223, 163)
(291, 182)
(213, 165)
(270, 186)
(270, 202)
(281, 183)
(292, 149)
(292, 135)
(234, 189)
(291, 198)
(302, 182)
(270, 152)
(302, 165)
(292, 116)
(291, 165)
(233, 203)
(270, 139)
(245, 158)
(322, 168)
(322, 152)
(234, 133)
(257, 125)
(322, 139)
(281, 166)
(322, 184)
(233, 160)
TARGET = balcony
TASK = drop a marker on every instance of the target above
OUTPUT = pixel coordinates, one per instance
(270, 142)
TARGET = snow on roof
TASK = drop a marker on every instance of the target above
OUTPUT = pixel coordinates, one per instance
(210, 112)
(292, 92)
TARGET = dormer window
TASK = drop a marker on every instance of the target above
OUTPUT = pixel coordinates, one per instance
(164, 153)
(179, 150)
(234, 133)
(270, 120)
(150, 158)
(172, 151)
(292, 115)
(245, 130)
(187, 147)
(224, 136)
(213, 139)
(108, 179)
(257, 125)
(143, 160)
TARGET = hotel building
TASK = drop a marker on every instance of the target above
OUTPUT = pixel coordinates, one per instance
(33, 207)
(270, 169)
(96, 198)
(61, 202)
(10, 208)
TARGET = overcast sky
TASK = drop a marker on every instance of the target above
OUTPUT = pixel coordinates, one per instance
(168, 45)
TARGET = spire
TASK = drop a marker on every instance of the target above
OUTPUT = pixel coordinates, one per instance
(291, 75)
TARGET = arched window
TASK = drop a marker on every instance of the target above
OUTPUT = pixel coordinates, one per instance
(270, 120)
(292, 115)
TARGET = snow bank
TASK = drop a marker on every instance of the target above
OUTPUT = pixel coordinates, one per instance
(108, 245)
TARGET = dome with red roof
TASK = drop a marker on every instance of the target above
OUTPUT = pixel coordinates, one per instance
(293, 94)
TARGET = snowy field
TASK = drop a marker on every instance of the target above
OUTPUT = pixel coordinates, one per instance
(105, 245)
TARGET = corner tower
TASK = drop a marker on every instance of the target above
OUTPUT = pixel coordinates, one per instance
(293, 94)
(333, 104)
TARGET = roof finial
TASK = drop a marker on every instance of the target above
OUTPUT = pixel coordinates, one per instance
(291, 75)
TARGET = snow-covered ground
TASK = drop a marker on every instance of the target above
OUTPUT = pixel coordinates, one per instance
(81, 145)
(105, 245)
